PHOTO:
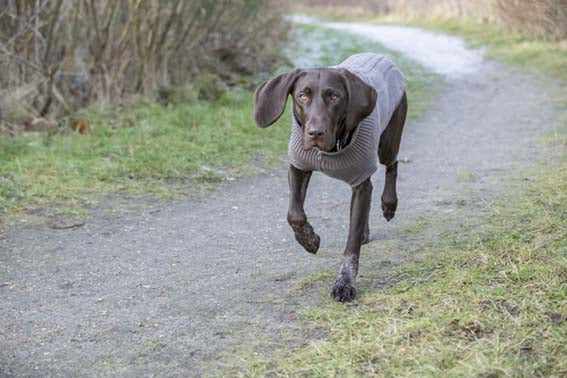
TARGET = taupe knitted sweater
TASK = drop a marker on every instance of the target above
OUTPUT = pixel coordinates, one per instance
(359, 159)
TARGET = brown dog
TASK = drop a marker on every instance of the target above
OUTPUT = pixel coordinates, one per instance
(345, 119)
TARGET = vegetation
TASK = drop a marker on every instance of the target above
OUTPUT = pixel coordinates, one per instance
(143, 150)
(195, 136)
(545, 54)
(539, 18)
(533, 54)
(58, 56)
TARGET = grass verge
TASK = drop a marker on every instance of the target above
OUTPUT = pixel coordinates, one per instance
(535, 55)
(142, 149)
(150, 149)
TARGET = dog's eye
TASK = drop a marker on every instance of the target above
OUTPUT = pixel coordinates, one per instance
(302, 97)
(334, 96)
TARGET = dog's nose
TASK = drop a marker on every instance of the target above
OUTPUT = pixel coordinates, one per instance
(315, 133)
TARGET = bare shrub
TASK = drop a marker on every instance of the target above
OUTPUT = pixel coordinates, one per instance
(405, 8)
(352, 8)
(546, 18)
(60, 55)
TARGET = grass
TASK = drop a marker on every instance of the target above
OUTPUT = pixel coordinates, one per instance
(487, 300)
(535, 55)
(468, 177)
(304, 282)
(142, 149)
(163, 151)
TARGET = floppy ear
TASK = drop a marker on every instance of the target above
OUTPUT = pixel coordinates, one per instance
(361, 99)
(271, 96)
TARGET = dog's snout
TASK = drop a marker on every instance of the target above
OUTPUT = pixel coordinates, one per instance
(315, 128)
(315, 132)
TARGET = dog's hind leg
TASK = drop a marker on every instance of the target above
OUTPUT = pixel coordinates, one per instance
(302, 229)
(388, 154)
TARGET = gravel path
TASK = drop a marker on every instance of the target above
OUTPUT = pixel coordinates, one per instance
(165, 290)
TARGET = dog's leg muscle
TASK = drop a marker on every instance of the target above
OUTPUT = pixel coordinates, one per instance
(302, 229)
(344, 288)
(388, 154)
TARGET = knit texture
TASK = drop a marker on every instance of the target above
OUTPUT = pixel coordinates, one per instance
(359, 159)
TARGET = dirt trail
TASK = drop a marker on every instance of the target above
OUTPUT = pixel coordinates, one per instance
(165, 290)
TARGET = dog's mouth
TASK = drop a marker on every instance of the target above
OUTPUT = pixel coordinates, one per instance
(310, 144)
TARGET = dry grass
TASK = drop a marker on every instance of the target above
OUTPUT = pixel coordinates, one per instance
(541, 18)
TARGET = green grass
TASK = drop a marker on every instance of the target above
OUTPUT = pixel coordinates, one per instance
(143, 150)
(150, 149)
(468, 177)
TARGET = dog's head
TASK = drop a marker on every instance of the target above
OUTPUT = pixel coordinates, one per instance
(328, 103)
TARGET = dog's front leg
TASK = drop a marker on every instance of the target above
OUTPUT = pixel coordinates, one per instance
(303, 231)
(344, 288)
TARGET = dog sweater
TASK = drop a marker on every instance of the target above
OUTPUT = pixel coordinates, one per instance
(359, 159)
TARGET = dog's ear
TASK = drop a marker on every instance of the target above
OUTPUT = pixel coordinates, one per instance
(271, 96)
(361, 99)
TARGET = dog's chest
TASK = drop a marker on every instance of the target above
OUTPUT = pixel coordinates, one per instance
(353, 164)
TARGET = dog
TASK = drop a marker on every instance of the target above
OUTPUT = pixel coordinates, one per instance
(345, 119)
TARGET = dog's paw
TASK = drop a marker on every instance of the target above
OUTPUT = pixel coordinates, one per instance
(343, 290)
(306, 236)
(389, 207)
